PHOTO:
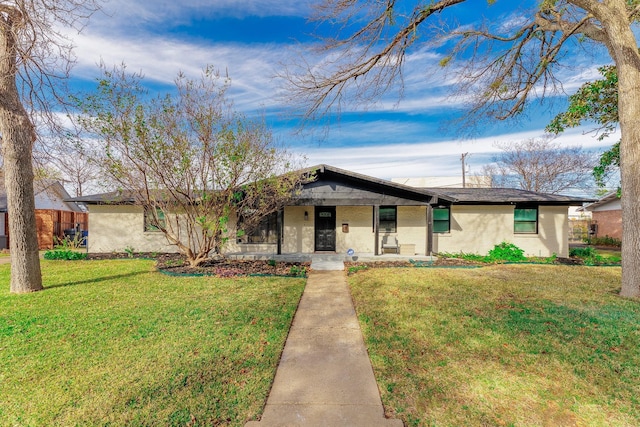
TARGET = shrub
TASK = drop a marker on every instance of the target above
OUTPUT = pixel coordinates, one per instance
(604, 241)
(590, 256)
(506, 251)
(129, 251)
(582, 252)
(297, 271)
(462, 255)
(64, 254)
(67, 242)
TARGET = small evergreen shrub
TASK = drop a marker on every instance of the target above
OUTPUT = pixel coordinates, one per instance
(585, 252)
(506, 251)
(64, 254)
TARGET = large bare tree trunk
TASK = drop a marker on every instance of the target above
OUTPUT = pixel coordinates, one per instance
(630, 177)
(18, 136)
(623, 48)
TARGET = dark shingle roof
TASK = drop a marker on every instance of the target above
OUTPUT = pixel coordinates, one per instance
(111, 198)
(446, 195)
(506, 195)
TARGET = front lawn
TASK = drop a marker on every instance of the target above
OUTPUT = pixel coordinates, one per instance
(503, 345)
(117, 343)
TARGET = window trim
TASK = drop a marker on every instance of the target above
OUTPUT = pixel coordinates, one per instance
(448, 220)
(395, 219)
(516, 222)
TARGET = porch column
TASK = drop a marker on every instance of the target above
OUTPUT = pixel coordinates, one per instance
(429, 230)
(376, 228)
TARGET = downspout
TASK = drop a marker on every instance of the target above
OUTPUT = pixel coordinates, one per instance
(376, 231)
(433, 201)
(429, 250)
(280, 228)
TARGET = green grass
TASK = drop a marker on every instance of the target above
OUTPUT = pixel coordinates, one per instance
(504, 345)
(615, 254)
(112, 343)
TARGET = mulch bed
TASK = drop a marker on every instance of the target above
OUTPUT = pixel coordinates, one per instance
(220, 267)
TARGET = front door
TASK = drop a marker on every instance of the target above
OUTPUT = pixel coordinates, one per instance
(325, 224)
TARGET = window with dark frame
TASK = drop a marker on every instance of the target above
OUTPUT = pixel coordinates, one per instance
(150, 223)
(388, 219)
(266, 231)
(441, 220)
(525, 220)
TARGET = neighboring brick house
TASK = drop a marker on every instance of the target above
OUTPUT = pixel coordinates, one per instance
(53, 214)
(606, 216)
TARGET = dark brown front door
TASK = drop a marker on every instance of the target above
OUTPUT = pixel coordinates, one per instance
(325, 224)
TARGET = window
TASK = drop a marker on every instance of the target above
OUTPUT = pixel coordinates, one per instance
(525, 220)
(441, 220)
(388, 216)
(150, 223)
(266, 231)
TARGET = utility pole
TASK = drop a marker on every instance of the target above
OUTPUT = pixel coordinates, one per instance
(462, 158)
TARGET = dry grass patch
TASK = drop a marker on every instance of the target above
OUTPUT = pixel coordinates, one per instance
(521, 345)
(113, 343)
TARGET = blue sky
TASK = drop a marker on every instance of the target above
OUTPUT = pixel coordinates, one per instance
(406, 137)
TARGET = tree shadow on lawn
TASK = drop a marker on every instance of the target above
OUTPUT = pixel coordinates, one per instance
(95, 280)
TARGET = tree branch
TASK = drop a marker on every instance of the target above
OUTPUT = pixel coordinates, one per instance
(322, 91)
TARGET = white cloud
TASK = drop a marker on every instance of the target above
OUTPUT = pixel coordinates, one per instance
(250, 67)
(435, 158)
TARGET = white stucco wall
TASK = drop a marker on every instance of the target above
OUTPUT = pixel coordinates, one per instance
(474, 229)
(112, 228)
(360, 237)
(412, 227)
(477, 229)
(297, 232)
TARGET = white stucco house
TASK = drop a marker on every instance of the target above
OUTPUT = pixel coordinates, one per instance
(340, 211)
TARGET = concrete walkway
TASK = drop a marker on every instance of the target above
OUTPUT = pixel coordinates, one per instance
(325, 377)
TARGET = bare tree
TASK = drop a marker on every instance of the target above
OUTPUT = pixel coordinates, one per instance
(506, 64)
(35, 57)
(72, 160)
(190, 160)
(541, 165)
